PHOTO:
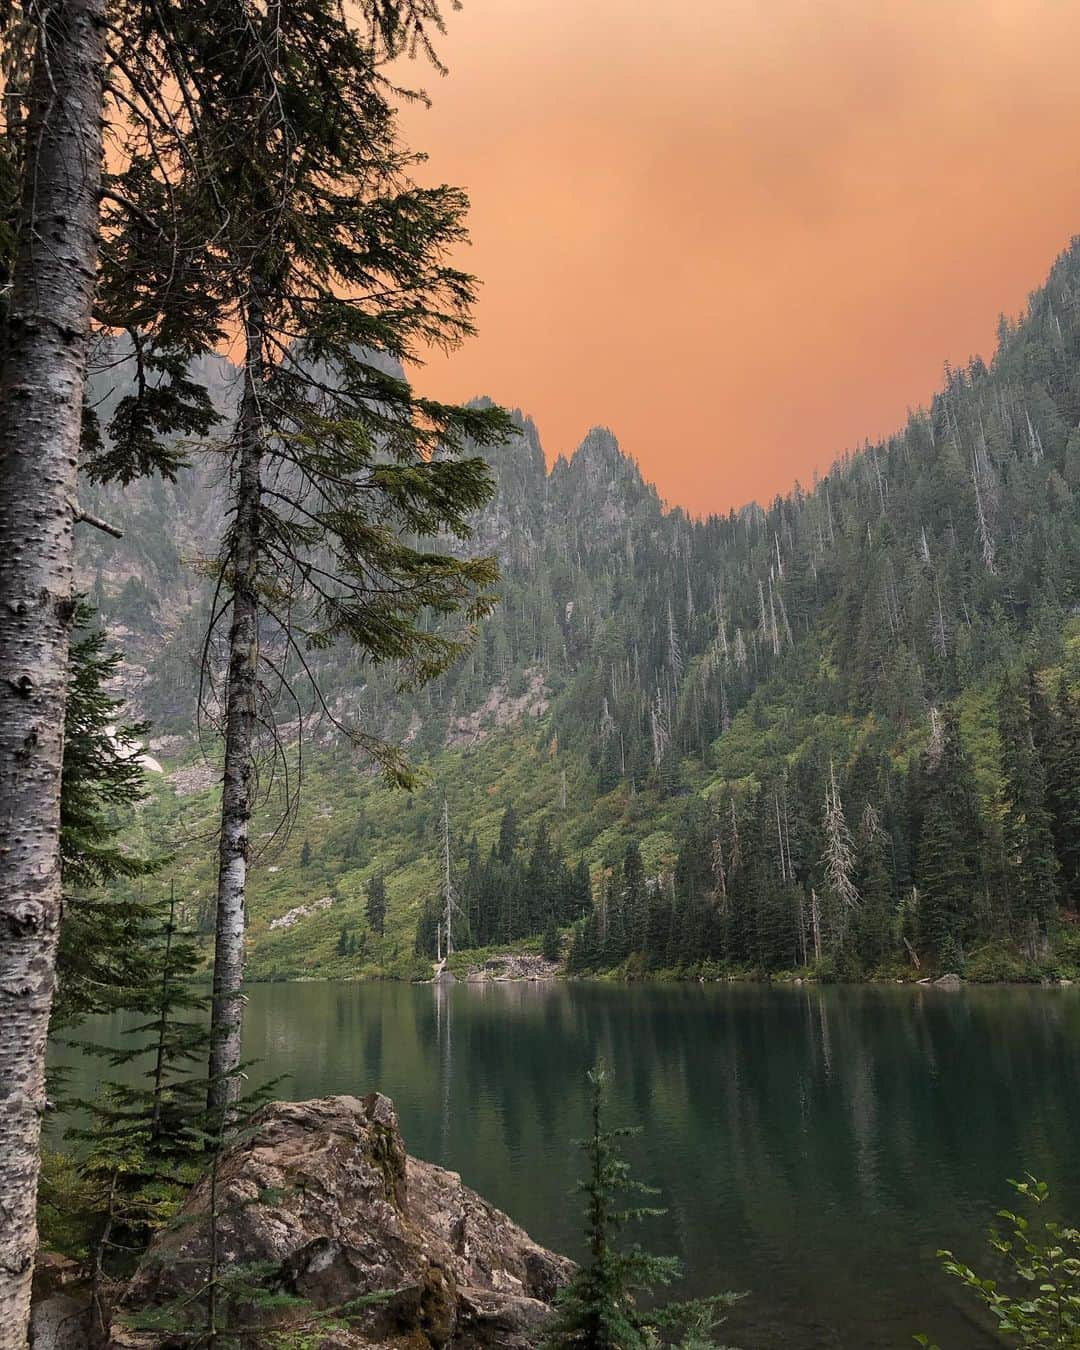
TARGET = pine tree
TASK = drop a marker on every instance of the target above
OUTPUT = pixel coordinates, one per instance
(948, 865)
(599, 1309)
(508, 836)
(145, 1142)
(1060, 754)
(101, 961)
(874, 922)
(375, 905)
(634, 901)
(552, 943)
(332, 267)
(1027, 825)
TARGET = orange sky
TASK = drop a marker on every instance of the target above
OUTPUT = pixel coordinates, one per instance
(746, 234)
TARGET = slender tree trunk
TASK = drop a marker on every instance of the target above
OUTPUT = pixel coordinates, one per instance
(42, 383)
(240, 711)
(163, 1016)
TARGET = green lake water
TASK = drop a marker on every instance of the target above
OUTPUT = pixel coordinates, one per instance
(812, 1146)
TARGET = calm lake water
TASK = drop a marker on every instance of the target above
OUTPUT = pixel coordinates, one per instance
(813, 1146)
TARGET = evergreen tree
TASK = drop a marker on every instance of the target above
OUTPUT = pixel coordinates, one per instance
(101, 961)
(579, 893)
(600, 1308)
(874, 921)
(634, 903)
(552, 943)
(375, 905)
(332, 267)
(948, 863)
(508, 836)
(1060, 754)
(145, 1142)
(1027, 826)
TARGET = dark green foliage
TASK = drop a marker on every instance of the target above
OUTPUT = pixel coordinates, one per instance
(375, 905)
(949, 864)
(1031, 865)
(511, 893)
(146, 1141)
(759, 885)
(335, 265)
(1056, 729)
(604, 1306)
(875, 922)
(102, 964)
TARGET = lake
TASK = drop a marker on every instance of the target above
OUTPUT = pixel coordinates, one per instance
(814, 1146)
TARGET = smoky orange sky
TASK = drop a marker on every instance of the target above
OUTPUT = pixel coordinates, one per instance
(747, 235)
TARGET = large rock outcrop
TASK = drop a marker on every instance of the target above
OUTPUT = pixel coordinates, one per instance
(321, 1198)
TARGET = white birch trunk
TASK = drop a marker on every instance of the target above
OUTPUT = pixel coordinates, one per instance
(227, 1010)
(42, 382)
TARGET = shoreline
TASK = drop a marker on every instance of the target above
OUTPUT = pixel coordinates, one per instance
(941, 983)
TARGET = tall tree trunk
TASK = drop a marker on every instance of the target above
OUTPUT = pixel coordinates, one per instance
(240, 711)
(42, 383)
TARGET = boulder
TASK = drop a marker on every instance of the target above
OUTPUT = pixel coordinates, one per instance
(59, 1322)
(322, 1200)
(949, 981)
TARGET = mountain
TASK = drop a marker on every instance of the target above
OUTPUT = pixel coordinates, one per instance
(780, 684)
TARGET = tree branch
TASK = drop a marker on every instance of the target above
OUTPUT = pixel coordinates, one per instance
(82, 516)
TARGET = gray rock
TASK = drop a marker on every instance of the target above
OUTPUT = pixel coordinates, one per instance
(59, 1323)
(949, 981)
(515, 966)
(347, 1213)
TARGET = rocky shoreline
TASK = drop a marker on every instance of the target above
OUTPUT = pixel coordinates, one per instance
(341, 1235)
(514, 966)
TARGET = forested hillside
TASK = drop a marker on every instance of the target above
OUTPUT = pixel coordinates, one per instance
(838, 731)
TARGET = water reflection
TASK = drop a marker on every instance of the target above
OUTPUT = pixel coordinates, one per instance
(813, 1145)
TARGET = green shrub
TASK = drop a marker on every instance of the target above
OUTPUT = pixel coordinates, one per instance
(999, 964)
(1043, 1310)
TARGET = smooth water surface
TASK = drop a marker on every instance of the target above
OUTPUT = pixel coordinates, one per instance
(813, 1146)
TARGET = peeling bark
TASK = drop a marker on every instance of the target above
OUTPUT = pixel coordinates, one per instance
(41, 395)
(227, 1011)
